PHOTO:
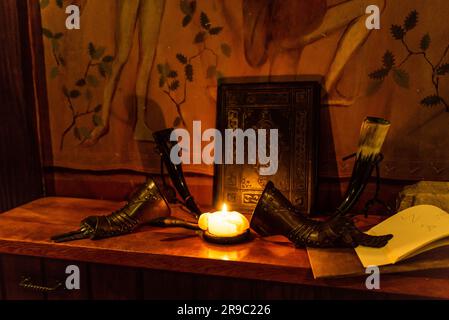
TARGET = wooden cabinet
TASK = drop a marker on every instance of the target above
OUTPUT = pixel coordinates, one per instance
(15, 270)
(55, 273)
(155, 263)
(114, 282)
(106, 282)
(34, 278)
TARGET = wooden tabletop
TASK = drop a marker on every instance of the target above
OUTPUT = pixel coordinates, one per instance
(26, 230)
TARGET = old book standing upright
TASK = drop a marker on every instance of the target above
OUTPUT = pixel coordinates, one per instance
(293, 109)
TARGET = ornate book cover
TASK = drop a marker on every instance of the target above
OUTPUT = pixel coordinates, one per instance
(293, 109)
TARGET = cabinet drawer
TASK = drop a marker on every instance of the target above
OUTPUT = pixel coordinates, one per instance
(14, 270)
(55, 272)
(30, 278)
(115, 283)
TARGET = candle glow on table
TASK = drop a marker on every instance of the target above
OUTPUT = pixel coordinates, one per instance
(224, 223)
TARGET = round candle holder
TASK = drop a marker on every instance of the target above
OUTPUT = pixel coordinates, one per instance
(241, 238)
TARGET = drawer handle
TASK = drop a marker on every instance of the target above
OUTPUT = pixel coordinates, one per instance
(27, 284)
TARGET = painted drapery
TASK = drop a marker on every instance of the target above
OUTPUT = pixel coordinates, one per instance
(137, 66)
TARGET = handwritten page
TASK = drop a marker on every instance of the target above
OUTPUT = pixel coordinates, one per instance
(414, 230)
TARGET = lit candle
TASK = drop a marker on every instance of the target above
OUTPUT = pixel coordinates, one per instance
(224, 223)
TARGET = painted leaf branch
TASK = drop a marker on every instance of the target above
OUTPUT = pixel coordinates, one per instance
(54, 38)
(400, 76)
(188, 8)
(171, 80)
(83, 88)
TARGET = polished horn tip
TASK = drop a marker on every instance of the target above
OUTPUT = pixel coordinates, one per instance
(372, 136)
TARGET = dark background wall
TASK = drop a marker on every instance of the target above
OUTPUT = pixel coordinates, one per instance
(20, 171)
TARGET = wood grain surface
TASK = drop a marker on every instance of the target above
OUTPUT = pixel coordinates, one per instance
(26, 231)
(20, 171)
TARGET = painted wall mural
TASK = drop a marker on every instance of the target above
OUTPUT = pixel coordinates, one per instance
(137, 66)
(437, 68)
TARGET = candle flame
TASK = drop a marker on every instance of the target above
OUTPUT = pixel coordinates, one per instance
(224, 209)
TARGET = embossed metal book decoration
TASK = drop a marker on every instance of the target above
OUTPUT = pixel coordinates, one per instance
(293, 109)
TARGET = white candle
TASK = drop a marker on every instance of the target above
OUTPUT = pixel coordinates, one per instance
(224, 223)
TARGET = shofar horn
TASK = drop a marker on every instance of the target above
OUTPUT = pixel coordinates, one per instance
(162, 139)
(275, 215)
(372, 136)
(145, 205)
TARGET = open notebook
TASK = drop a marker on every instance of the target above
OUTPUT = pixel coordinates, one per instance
(415, 230)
